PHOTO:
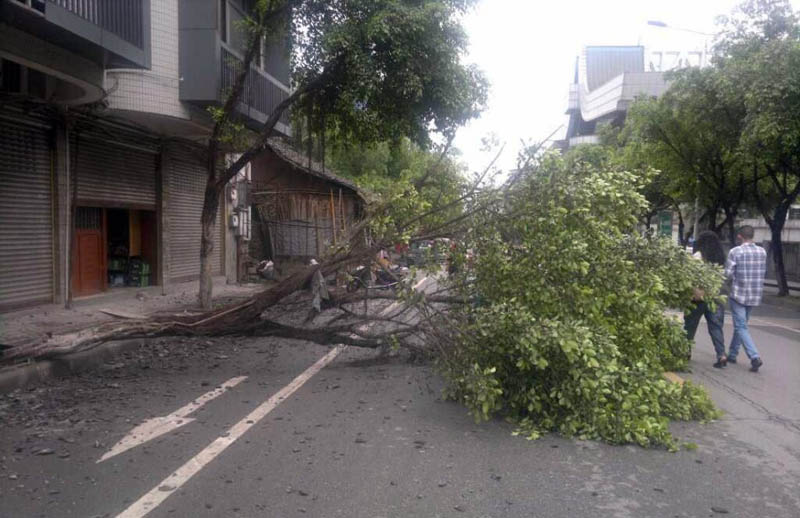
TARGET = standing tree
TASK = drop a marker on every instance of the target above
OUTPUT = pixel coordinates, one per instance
(691, 134)
(371, 69)
(760, 62)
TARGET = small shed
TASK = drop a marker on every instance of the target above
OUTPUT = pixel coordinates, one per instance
(299, 208)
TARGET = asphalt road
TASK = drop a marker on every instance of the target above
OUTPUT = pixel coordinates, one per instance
(370, 436)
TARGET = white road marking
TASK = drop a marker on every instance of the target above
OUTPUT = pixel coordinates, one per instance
(178, 478)
(754, 320)
(158, 426)
(766, 323)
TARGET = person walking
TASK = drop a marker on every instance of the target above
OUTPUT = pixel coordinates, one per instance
(710, 250)
(745, 268)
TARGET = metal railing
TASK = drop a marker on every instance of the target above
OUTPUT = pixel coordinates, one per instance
(123, 18)
(260, 92)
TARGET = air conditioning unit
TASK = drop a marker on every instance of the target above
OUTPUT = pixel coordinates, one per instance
(243, 227)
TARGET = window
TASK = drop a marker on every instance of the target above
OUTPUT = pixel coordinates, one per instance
(794, 212)
(223, 20)
(237, 33)
(10, 76)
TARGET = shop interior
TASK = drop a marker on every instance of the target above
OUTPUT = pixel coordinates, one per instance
(131, 247)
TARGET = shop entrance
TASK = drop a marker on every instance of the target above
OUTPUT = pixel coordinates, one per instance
(113, 248)
(88, 257)
(132, 247)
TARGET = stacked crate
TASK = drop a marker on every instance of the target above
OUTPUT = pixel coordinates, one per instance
(138, 272)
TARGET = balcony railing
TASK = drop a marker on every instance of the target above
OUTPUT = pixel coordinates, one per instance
(584, 139)
(123, 18)
(261, 91)
(572, 103)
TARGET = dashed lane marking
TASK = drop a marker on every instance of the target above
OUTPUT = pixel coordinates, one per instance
(158, 426)
(178, 478)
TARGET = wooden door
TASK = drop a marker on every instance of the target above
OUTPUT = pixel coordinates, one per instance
(89, 257)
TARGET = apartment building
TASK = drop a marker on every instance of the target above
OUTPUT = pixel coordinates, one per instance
(103, 123)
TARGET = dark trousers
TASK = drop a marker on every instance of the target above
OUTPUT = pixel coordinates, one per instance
(714, 319)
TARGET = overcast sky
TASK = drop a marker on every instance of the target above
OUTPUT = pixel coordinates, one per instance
(527, 49)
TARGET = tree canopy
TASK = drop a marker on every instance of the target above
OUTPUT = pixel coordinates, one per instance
(760, 64)
(362, 70)
(691, 134)
(730, 133)
(567, 330)
(385, 69)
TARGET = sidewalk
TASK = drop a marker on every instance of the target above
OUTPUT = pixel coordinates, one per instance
(25, 325)
(771, 298)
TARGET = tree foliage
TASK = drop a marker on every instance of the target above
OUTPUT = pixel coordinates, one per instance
(389, 68)
(691, 135)
(369, 70)
(567, 331)
(759, 62)
(730, 133)
(402, 169)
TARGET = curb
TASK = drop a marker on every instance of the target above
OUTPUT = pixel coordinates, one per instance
(16, 377)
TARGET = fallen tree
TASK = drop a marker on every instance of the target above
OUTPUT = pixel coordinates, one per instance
(568, 332)
(553, 314)
(402, 212)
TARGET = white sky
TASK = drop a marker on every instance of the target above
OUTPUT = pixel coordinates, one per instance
(527, 49)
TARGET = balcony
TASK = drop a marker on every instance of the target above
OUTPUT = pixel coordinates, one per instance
(584, 139)
(572, 102)
(262, 92)
(110, 33)
(211, 57)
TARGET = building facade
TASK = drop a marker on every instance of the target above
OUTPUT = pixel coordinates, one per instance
(103, 124)
(607, 80)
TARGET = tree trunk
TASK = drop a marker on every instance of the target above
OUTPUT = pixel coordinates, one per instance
(776, 228)
(712, 214)
(731, 220)
(681, 227)
(647, 219)
(208, 219)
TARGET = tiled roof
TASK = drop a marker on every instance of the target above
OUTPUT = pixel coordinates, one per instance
(300, 161)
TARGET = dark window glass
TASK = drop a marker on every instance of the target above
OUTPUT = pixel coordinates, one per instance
(223, 20)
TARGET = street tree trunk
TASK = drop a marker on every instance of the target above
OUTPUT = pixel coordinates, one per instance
(776, 224)
(208, 220)
(730, 219)
(712, 218)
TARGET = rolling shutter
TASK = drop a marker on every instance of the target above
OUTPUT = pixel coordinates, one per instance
(26, 216)
(186, 186)
(112, 174)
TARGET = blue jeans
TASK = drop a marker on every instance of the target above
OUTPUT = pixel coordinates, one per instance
(714, 320)
(741, 335)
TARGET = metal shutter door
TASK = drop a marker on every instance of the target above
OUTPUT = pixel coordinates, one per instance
(26, 216)
(110, 175)
(187, 186)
